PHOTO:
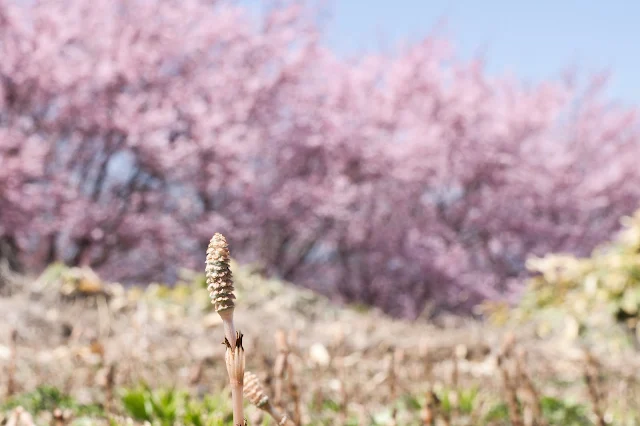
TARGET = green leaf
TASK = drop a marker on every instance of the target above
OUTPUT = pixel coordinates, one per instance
(467, 400)
(498, 412)
(136, 403)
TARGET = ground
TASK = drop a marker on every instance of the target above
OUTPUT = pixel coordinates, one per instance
(93, 340)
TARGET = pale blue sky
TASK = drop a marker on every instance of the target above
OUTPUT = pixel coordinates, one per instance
(535, 39)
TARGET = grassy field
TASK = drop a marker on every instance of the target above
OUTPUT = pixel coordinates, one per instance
(75, 350)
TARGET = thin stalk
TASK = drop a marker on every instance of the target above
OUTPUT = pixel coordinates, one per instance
(234, 358)
(236, 399)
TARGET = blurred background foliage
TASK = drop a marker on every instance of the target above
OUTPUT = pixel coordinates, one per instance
(596, 298)
(130, 131)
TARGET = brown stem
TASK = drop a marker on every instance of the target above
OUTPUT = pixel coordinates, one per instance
(236, 400)
(235, 360)
(529, 387)
(511, 393)
(280, 419)
(591, 376)
(11, 383)
(280, 366)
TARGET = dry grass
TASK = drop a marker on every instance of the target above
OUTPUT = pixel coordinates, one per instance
(318, 363)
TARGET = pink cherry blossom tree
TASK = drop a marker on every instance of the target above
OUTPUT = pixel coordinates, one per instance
(139, 110)
(131, 131)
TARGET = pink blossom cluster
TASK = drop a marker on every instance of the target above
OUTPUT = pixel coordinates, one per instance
(132, 130)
